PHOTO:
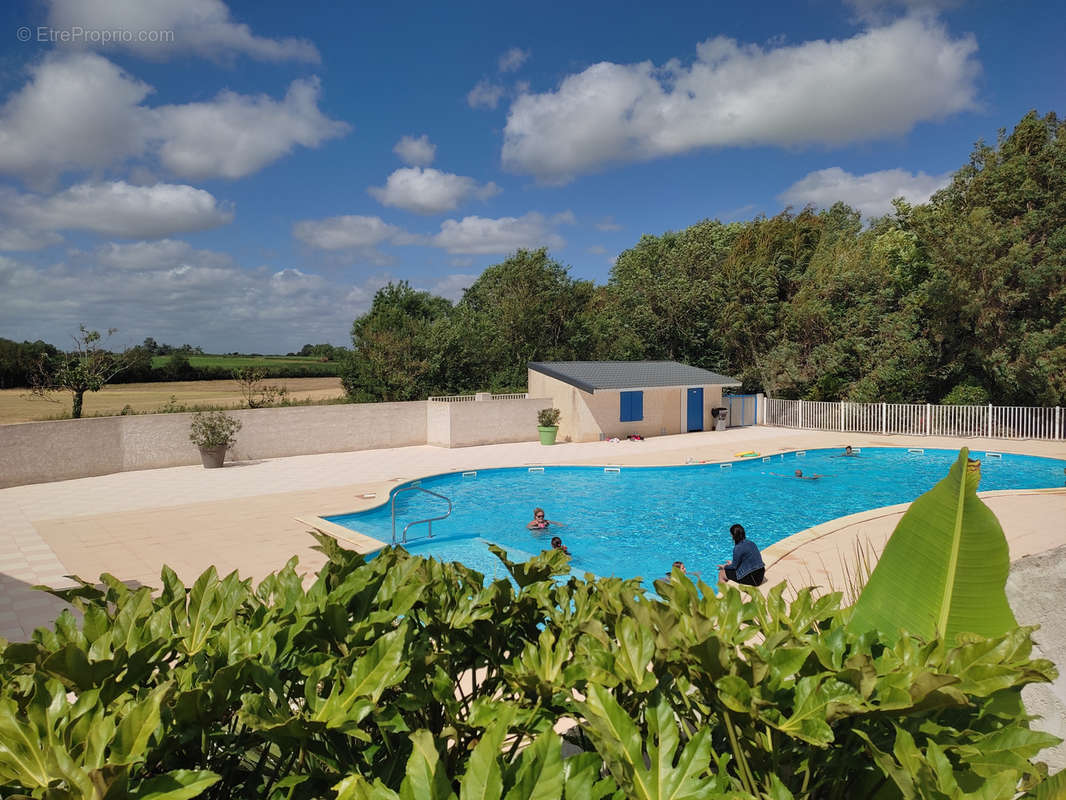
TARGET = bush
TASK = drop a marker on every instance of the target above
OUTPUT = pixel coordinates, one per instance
(213, 429)
(347, 689)
(548, 417)
(966, 394)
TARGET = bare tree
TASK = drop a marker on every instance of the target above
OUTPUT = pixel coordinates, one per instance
(86, 368)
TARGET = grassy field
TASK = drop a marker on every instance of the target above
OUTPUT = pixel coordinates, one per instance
(16, 405)
(233, 362)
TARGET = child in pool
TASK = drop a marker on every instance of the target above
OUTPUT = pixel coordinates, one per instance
(557, 544)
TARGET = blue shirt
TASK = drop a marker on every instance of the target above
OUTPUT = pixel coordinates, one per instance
(746, 558)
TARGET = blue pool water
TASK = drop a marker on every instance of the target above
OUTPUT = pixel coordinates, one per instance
(639, 520)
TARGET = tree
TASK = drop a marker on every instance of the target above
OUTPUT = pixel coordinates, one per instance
(86, 368)
(526, 308)
(393, 346)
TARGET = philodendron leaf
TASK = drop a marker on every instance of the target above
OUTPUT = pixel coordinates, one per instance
(483, 779)
(179, 784)
(426, 778)
(944, 568)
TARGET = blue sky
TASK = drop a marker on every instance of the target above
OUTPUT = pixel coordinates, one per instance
(244, 176)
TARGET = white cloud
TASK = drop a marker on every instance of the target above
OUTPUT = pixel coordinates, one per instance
(12, 238)
(480, 236)
(878, 11)
(608, 224)
(452, 286)
(876, 84)
(220, 307)
(235, 135)
(78, 111)
(513, 59)
(418, 152)
(165, 254)
(355, 236)
(429, 191)
(872, 193)
(117, 209)
(158, 29)
(485, 95)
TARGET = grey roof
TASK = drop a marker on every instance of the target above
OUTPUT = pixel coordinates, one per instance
(593, 375)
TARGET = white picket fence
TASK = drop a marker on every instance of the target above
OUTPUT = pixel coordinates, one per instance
(919, 419)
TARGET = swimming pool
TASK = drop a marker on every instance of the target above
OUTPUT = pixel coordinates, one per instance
(636, 521)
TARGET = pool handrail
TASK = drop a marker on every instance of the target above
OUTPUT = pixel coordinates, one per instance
(429, 520)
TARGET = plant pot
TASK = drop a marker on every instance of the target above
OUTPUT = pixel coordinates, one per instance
(212, 457)
(547, 435)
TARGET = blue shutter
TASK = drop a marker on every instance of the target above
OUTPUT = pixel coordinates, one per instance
(631, 406)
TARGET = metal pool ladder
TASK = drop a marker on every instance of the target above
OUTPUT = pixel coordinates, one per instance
(429, 520)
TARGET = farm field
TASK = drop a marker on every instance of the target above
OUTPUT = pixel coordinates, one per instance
(233, 362)
(16, 405)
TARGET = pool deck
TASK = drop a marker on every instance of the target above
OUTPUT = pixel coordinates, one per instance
(252, 516)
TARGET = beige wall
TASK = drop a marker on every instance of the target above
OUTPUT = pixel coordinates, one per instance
(36, 452)
(482, 422)
(585, 415)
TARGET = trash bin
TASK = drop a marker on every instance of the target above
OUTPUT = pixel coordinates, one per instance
(720, 415)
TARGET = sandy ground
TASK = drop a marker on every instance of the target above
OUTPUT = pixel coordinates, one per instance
(17, 405)
(252, 516)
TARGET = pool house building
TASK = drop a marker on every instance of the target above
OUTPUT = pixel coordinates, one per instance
(606, 399)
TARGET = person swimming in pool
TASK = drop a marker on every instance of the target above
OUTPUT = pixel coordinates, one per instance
(541, 522)
(798, 474)
(847, 452)
(681, 566)
(557, 544)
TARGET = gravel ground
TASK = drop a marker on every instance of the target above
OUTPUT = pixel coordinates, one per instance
(1036, 589)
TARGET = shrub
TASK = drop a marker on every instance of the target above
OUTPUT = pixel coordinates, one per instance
(213, 429)
(966, 394)
(348, 689)
(548, 417)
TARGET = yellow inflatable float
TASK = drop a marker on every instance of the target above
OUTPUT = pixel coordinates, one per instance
(745, 454)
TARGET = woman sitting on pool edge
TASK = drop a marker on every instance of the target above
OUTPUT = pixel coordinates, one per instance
(540, 522)
(746, 566)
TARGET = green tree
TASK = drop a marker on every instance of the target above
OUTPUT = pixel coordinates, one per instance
(393, 346)
(86, 368)
(995, 239)
(526, 308)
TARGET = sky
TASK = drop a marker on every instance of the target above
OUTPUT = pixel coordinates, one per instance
(244, 176)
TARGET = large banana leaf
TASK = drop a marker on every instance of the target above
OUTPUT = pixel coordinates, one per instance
(944, 568)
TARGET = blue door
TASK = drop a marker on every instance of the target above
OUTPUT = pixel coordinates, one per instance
(695, 409)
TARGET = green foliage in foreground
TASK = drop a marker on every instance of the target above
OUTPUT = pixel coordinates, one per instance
(408, 678)
(944, 569)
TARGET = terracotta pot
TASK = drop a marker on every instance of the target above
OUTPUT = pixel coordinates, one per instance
(213, 456)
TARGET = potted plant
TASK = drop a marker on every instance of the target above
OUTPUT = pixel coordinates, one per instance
(213, 432)
(548, 424)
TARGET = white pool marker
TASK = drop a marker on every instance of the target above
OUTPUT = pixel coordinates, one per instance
(767, 458)
(918, 450)
(801, 453)
(470, 473)
(536, 469)
(856, 449)
(612, 469)
(990, 454)
(726, 465)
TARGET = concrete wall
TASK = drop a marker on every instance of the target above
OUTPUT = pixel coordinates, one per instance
(588, 417)
(37, 452)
